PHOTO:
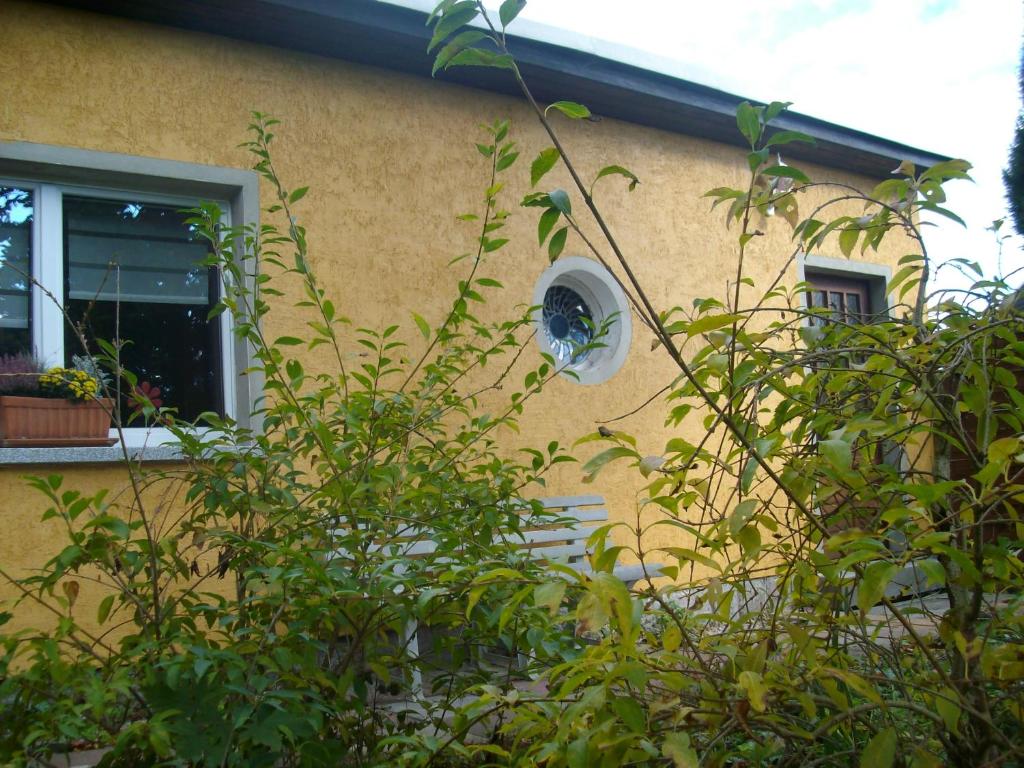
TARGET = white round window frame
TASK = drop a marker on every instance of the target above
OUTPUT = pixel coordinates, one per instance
(603, 295)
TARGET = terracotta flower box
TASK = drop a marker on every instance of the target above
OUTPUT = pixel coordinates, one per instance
(46, 422)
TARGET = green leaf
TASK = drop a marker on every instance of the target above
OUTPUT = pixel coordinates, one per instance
(460, 42)
(458, 15)
(786, 137)
(557, 244)
(847, 240)
(548, 219)
(422, 325)
(775, 109)
(788, 171)
(748, 122)
(297, 194)
(710, 323)
(741, 514)
(287, 341)
(900, 276)
(880, 751)
(506, 161)
(474, 597)
(104, 610)
(570, 109)
(595, 464)
(948, 169)
(617, 170)
(749, 539)
(545, 162)
(747, 476)
(630, 713)
(837, 453)
(683, 553)
(476, 57)
(872, 585)
(576, 754)
(560, 199)
(509, 10)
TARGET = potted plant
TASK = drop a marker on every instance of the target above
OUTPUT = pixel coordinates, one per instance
(50, 408)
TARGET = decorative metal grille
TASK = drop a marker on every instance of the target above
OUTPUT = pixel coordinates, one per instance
(568, 324)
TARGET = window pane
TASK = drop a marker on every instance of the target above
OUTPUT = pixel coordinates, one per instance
(16, 212)
(819, 300)
(134, 266)
(835, 302)
(853, 307)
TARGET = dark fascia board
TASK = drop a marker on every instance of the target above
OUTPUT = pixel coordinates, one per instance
(394, 37)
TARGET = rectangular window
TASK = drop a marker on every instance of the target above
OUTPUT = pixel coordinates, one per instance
(126, 267)
(134, 271)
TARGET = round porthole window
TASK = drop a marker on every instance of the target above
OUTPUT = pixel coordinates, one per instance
(577, 297)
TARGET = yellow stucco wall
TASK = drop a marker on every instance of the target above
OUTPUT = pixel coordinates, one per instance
(389, 160)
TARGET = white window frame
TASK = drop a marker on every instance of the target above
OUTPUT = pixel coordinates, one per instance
(605, 298)
(51, 172)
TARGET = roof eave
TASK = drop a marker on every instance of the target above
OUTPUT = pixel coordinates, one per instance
(395, 37)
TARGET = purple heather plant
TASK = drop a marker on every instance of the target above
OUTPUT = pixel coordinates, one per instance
(19, 374)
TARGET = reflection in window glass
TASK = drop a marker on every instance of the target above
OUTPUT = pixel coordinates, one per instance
(819, 300)
(16, 213)
(137, 267)
(853, 310)
(835, 303)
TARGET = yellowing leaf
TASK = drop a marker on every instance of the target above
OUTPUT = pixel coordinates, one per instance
(671, 638)
(549, 595)
(677, 748)
(753, 685)
(71, 589)
(880, 751)
(948, 706)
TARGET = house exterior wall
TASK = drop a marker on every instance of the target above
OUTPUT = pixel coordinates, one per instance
(390, 162)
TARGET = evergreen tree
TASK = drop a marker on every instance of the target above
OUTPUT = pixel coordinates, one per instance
(1013, 175)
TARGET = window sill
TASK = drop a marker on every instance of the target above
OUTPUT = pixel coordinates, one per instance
(103, 455)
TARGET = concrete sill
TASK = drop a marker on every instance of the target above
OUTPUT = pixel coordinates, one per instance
(93, 455)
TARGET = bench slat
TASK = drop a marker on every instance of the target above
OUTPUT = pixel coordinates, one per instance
(571, 501)
(559, 554)
(558, 534)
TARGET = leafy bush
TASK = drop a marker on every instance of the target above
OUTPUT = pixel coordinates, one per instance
(820, 498)
(844, 470)
(261, 601)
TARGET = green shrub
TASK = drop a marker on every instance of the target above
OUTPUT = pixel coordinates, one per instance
(260, 599)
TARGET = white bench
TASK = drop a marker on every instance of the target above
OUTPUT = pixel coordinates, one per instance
(562, 540)
(561, 536)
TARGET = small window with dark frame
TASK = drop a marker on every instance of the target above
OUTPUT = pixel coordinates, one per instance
(847, 299)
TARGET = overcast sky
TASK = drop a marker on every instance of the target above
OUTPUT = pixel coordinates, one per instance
(940, 75)
(936, 74)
